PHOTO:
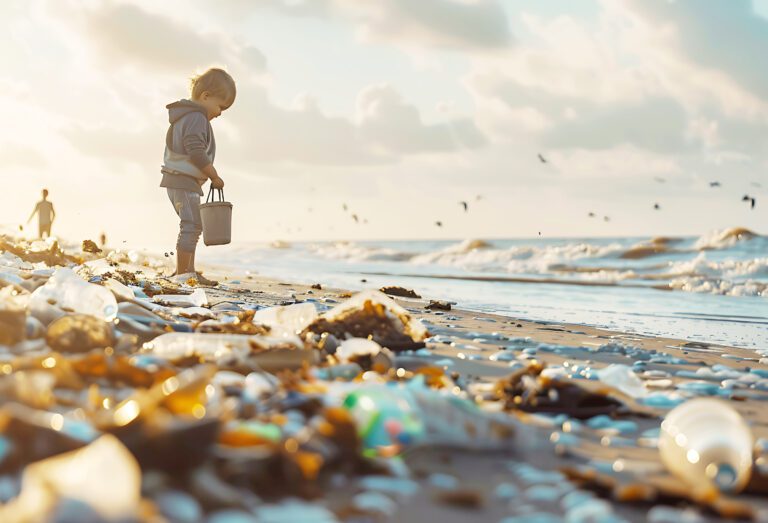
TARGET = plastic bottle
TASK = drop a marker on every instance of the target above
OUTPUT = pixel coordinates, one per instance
(707, 443)
(385, 415)
(287, 320)
(65, 290)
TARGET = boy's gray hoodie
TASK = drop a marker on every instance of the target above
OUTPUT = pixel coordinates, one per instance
(189, 146)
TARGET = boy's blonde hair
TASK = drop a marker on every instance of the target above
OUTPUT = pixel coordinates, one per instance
(217, 82)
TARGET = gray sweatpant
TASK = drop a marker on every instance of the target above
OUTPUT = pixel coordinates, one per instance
(187, 206)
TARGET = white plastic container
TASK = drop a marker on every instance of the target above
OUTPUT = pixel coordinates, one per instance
(66, 291)
(217, 220)
(707, 443)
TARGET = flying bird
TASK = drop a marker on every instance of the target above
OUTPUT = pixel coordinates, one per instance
(465, 205)
(354, 217)
(344, 206)
(714, 184)
(606, 219)
(542, 159)
(656, 206)
(750, 199)
(591, 215)
(439, 223)
(478, 197)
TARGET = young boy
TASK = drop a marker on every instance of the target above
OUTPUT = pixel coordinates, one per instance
(45, 215)
(189, 152)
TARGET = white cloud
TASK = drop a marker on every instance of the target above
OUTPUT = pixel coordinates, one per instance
(123, 34)
(457, 24)
(388, 122)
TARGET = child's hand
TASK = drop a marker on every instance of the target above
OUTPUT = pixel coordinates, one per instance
(217, 183)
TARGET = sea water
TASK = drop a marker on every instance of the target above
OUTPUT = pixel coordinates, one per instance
(712, 288)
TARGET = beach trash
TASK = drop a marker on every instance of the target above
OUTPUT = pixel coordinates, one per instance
(287, 320)
(372, 315)
(79, 333)
(707, 443)
(103, 478)
(385, 416)
(217, 219)
(13, 322)
(66, 291)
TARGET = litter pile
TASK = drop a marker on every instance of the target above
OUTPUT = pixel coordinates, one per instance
(126, 397)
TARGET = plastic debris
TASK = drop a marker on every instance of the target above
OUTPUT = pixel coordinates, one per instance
(66, 292)
(80, 475)
(708, 444)
(372, 314)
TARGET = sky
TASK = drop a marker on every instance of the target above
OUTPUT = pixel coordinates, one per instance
(399, 109)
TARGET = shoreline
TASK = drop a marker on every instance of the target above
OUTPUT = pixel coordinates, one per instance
(560, 450)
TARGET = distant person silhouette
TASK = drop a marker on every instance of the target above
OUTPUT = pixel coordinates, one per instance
(45, 215)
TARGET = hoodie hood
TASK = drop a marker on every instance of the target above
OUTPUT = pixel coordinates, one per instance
(177, 110)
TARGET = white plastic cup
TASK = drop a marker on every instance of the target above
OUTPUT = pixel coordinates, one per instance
(707, 443)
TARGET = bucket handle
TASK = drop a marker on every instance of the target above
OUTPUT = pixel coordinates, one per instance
(212, 198)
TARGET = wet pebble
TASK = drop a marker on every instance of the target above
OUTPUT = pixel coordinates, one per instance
(388, 485)
(375, 502)
(665, 514)
(506, 491)
(701, 388)
(293, 510)
(543, 493)
(592, 511)
(534, 517)
(231, 516)
(179, 506)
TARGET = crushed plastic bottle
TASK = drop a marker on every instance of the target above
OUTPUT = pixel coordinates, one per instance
(196, 299)
(80, 475)
(66, 291)
(624, 379)
(707, 443)
(79, 333)
(356, 347)
(287, 320)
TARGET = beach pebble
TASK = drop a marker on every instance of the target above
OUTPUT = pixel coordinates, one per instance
(702, 388)
(506, 491)
(375, 502)
(179, 506)
(591, 512)
(231, 516)
(294, 510)
(503, 355)
(575, 498)
(543, 493)
(664, 514)
(392, 486)
(443, 481)
(662, 400)
(533, 517)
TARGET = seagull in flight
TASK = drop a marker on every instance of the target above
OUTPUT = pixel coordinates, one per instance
(542, 159)
(439, 223)
(465, 205)
(714, 184)
(656, 206)
(750, 199)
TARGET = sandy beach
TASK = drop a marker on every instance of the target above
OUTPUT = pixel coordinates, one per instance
(507, 420)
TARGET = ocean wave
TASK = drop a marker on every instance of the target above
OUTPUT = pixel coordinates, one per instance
(517, 259)
(723, 239)
(701, 266)
(703, 284)
(354, 252)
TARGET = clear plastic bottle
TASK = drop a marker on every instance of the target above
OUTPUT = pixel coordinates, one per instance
(707, 443)
(65, 290)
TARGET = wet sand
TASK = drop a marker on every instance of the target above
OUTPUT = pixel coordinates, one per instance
(461, 348)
